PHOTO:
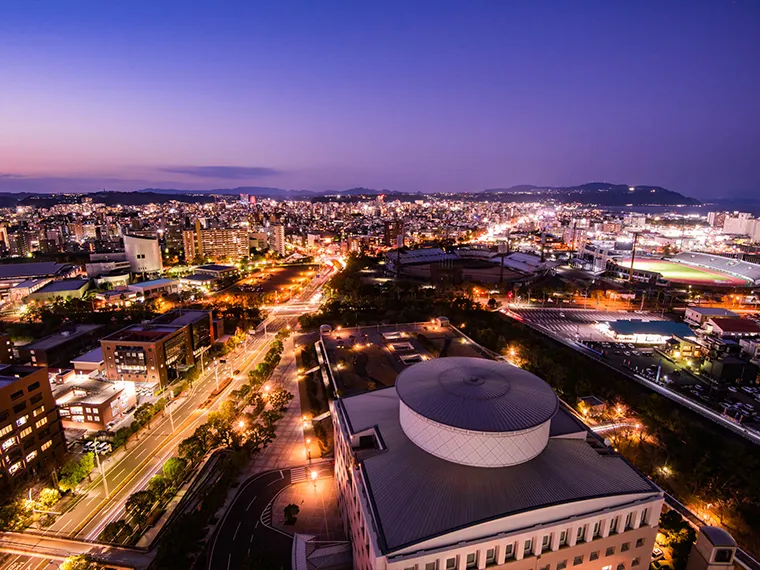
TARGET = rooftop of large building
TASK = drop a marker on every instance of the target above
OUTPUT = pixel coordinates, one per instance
(416, 495)
(31, 270)
(216, 267)
(638, 326)
(154, 283)
(744, 326)
(713, 312)
(10, 373)
(63, 336)
(180, 317)
(477, 394)
(142, 333)
(64, 285)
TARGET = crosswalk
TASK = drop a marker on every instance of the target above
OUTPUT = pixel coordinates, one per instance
(266, 516)
(298, 475)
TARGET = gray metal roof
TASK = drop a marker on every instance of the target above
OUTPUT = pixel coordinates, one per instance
(416, 496)
(477, 394)
(717, 536)
(30, 270)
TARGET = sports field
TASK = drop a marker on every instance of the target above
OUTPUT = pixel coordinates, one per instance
(679, 273)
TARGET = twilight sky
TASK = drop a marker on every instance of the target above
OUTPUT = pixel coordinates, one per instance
(430, 96)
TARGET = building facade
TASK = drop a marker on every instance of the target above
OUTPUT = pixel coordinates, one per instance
(56, 350)
(215, 244)
(143, 253)
(31, 435)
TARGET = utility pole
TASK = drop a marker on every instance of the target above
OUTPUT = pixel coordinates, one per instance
(633, 255)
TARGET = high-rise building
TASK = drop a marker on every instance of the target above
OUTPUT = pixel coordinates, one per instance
(393, 235)
(143, 253)
(277, 239)
(209, 244)
(470, 463)
(31, 436)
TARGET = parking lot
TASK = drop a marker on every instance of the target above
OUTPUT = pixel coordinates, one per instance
(578, 324)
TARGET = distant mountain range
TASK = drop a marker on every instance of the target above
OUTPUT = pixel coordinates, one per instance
(593, 193)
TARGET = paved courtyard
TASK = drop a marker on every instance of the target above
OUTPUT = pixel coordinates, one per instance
(318, 504)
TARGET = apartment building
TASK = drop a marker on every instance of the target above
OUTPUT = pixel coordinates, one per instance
(215, 244)
(31, 435)
(470, 463)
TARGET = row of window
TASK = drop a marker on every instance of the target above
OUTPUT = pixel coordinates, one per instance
(18, 465)
(472, 561)
(510, 552)
(31, 388)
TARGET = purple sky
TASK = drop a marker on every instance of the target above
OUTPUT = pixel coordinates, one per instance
(430, 96)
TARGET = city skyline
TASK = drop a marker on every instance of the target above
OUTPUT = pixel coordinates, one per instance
(443, 97)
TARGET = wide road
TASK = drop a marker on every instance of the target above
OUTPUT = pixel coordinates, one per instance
(131, 469)
(243, 535)
(19, 562)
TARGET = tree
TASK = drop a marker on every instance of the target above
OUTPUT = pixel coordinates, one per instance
(174, 468)
(291, 513)
(192, 449)
(158, 485)
(144, 413)
(80, 562)
(48, 498)
(139, 504)
(116, 531)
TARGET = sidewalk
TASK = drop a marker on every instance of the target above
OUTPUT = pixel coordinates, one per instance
(288, 448)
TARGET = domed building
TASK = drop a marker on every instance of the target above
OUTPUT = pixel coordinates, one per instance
(473, 463)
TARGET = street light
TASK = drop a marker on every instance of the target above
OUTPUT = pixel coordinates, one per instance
(314, 479)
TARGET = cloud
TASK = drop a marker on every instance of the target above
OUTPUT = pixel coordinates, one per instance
(9, 175)
(225, 172)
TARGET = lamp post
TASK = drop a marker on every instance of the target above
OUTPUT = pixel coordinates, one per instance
(102, 472)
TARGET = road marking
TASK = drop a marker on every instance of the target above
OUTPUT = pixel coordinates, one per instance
(277, 480)
(257, 524)
(237, 528)
(229, 559)
(115, 475)
(249, 504)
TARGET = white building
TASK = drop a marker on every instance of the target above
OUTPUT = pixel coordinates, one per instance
(470, 463)
(277, 239)
(143, 254)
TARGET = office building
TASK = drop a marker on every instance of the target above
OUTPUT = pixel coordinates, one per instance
(469, 463)
(155, 288)
(143, 253)
(210, 245)
(86, 403)
(31, 435)
(56, 350)
(155, 352)
(218, 272)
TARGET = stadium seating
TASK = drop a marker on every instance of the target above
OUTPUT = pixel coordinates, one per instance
(729, 265)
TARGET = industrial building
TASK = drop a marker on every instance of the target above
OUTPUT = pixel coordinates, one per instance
(64, 289)
(469, 463)
(638, 331)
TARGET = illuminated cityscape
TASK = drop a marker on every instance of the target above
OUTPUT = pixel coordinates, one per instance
(274, 293)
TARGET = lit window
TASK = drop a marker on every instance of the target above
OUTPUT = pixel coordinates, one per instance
(6, 430)
(46, 445)
(22, 420)
(25, 432)
(31, 456)
(8, 443)
(15, 467)
(40, 423)
(38, 411)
